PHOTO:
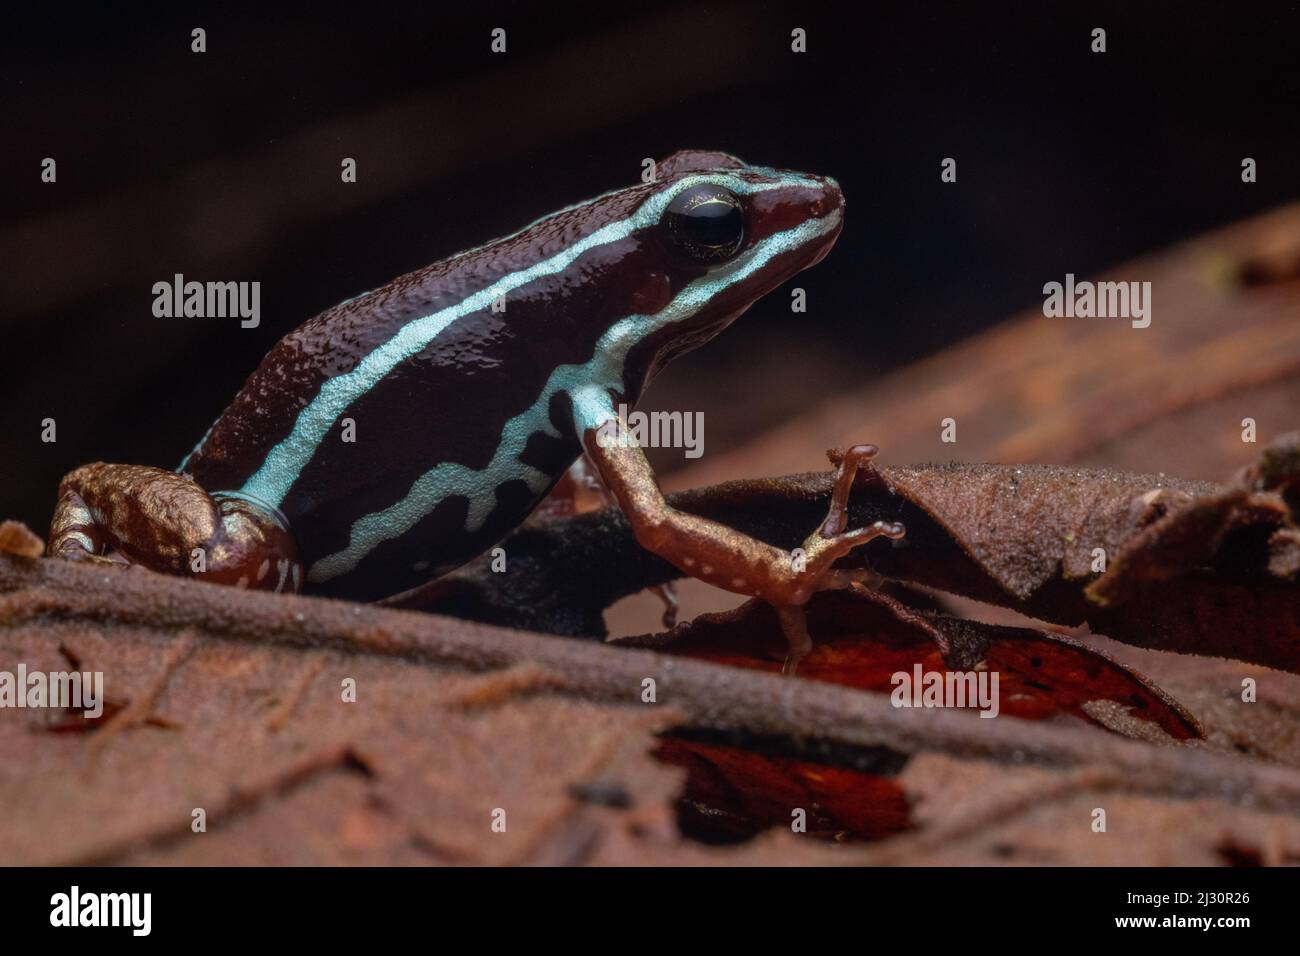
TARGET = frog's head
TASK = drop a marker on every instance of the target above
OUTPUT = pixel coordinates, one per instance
(718, 234)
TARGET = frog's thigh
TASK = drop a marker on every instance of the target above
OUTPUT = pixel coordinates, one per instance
(579, 489)
(143, 514)
(167, 523)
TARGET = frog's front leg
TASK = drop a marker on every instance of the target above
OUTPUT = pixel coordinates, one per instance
(583, 481)
(722, 556)
(167, 523)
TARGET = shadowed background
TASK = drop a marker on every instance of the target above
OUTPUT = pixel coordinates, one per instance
(225, 166)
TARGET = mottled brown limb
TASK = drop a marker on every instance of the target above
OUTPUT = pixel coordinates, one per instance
(160, 520)
(724, 557)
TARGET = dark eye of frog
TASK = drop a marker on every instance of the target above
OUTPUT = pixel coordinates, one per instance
(706, 223)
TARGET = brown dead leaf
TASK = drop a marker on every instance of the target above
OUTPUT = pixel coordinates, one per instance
(860, 641)
(1190, 566)
(229, 701)
(734, 791)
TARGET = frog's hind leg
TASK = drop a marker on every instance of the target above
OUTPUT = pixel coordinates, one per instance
(578, 490)
(167, 523)
(74, 533)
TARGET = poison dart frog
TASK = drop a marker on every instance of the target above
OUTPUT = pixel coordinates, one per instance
(471, 386)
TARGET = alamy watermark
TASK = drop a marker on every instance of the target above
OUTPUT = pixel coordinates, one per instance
(62, 690)
(1101, 300)
(133, 911)
(923, 688)
(683, 430)
(208, 300)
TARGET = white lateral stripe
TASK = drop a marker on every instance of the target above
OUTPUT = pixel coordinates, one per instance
(285, 461)
(588, 385)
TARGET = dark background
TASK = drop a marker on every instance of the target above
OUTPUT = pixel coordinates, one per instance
(225, 166)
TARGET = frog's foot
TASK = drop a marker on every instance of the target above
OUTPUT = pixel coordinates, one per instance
(164, 521)
(823, 548)
(667, 593)
(74, 534)
(794, 625)
(724, 557)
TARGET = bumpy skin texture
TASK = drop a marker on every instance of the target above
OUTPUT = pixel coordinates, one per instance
(141, 515)
(464, 414)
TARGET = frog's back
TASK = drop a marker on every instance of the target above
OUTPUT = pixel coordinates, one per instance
(405, 431)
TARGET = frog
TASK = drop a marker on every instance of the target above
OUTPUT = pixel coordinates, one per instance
(403, 432)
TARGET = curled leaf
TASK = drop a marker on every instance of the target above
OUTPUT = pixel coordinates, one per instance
(873, 643)
(1149, 560)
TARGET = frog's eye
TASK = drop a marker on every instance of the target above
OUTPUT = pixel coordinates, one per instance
(707, 223)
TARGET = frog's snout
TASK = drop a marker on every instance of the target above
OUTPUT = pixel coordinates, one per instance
(829, 200)
(827, 204)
